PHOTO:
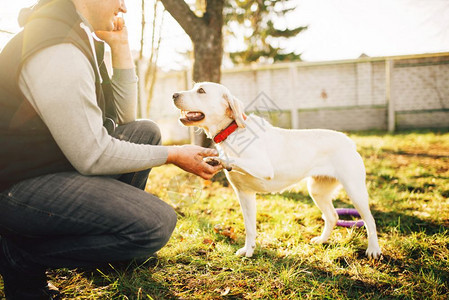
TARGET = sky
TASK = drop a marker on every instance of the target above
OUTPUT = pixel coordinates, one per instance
(337, 29)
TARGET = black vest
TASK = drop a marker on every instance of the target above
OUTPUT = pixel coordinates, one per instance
(27, 148)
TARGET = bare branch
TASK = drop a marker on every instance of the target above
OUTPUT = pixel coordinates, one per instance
(182, 13)
(142, 37)
(5, 31)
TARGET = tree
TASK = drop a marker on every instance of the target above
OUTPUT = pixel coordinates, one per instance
(204, 27)
(251, 20)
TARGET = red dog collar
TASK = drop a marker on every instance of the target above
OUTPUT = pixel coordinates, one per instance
(223, 135)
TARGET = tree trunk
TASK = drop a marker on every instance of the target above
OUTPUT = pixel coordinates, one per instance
(208, 54)
(208, 45)
(206, 35)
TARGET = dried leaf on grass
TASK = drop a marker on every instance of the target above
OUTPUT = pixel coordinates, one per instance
(227, 231)
(209, 242)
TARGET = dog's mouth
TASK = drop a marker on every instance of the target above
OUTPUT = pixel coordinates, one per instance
(191, 116)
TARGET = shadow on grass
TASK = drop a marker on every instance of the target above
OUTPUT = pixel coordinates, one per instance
(405, 223)
(341, 285)
(336, 279)
(134, 282)
(401, 220)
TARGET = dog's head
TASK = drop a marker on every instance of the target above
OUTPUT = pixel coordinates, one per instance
(209, 106)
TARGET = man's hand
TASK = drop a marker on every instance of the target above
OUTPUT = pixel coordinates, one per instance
(119, 35)
(117, 39)
(190, 159)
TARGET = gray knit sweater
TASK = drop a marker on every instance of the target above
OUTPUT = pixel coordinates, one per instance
(60, 84)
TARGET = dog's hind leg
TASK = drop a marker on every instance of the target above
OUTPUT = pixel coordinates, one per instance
(353, 181)
(322, 191)
(359, 197)
(248, 203)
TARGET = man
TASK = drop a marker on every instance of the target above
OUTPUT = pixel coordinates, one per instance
(70, 180)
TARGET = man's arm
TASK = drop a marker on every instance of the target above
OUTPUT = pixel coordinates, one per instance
(60, 84)
(124, 88)
(124, 79)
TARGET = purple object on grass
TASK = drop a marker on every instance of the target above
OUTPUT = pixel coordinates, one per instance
(349, 212)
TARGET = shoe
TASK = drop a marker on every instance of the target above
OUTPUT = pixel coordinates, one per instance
(19, 285)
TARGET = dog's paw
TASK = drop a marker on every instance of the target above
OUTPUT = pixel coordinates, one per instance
(318, 240)
(245, 251)
(373, 252)
(215, 161)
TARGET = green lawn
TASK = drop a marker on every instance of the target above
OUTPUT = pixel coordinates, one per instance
(408, 181)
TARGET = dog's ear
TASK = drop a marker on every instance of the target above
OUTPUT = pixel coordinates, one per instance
(237, 109)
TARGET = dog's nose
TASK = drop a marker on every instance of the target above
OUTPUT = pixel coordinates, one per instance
(175, 96)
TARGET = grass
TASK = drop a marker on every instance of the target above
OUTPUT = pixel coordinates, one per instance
(408, 181)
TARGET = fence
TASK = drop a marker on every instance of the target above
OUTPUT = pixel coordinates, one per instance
(384, 93)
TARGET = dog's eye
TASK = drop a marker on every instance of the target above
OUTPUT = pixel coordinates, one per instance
(201, 91)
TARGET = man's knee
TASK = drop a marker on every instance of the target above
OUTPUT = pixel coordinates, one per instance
(168, 226)
(153, 234)
(140, 132)
(152, 131)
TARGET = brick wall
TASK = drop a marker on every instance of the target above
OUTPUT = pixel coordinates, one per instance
(341, 95)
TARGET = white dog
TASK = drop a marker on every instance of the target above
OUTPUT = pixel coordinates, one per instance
(266, 159)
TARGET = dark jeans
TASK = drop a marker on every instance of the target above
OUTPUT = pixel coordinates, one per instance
(70, 220)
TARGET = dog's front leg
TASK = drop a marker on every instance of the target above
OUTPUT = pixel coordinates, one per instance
(259, 166)
(248, 203)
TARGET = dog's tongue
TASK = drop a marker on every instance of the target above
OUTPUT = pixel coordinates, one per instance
(194, 116)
